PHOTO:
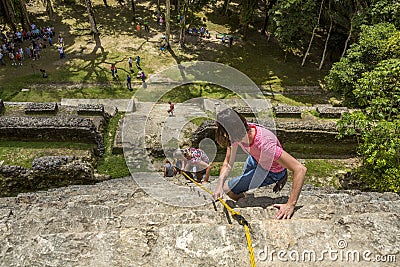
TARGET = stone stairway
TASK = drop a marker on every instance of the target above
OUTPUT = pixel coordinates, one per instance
(117, 223)
(151, 126)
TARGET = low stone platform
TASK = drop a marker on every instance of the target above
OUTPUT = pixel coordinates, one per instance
(304, 90)
(91, 109)
(32, 121)
(331, 112)
(41, 108)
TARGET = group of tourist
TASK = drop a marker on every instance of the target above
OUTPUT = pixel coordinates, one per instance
(140, 73)
(192, 161)
(140, 24)
(20, 45)
(229, 38)
(202, 32)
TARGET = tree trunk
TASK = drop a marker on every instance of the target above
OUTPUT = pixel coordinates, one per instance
(246, 14)
(225, 7)
(9, 14)
(326, 45)
(268, 7)
(133, 11)
(105, 3)
(348, 38)
(264, 28)
(167, 20)
(92, 21)
(24, 16)
(49, 8)
(183, 26)
(312, 35)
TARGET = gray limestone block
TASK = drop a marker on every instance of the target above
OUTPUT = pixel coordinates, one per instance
(245, 111)
(13, 180)
(331, 112)
(91, 109)
(41, 108)
(284, 111)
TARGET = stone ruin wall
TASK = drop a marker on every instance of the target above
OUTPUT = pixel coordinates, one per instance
(85, 124)
(297, 132)
(45, 122)
(47, 172)
(52, 129)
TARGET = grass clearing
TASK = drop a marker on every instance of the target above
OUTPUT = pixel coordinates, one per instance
(113, 165)
(189, 91)
(198, 121)
(323, 172)
(85, 73)
(338, 150)
(110, 164)
(43, 94)
(23, 153)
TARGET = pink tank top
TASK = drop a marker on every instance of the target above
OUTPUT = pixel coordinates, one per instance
(265, 148)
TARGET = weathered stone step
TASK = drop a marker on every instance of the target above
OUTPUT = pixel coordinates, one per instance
(115, 223)
(83, 217)
(204, 244)
(127, 191)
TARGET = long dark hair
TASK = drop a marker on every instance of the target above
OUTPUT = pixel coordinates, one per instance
(232, 127)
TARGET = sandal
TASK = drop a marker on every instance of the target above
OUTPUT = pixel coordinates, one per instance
(280, 184)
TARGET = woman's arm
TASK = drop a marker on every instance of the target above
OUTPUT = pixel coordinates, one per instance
(299, 173)
(225, 170)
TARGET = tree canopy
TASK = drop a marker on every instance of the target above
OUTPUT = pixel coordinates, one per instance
(369, 78)
(374, 45)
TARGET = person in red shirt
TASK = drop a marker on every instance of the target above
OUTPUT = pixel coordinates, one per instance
(171, 108)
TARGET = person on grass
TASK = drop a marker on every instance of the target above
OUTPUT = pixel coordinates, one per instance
(129, 82)
(267, 162)
(130, 61)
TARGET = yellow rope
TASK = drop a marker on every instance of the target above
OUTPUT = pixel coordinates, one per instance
(250, 246)
(236, 215)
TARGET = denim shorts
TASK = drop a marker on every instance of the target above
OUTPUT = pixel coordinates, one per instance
(254, 176)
